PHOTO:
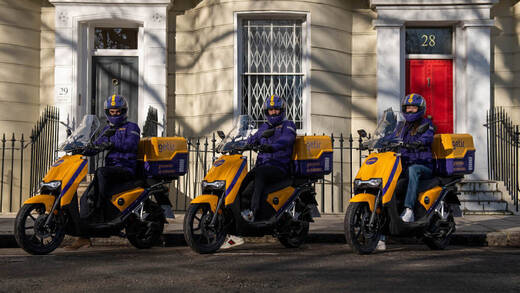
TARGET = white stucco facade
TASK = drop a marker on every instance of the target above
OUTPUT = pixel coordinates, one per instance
(470, 19)
(472, 58)
(75, 22)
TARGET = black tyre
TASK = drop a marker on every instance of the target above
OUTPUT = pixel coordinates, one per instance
(197, 231)
(145, 233)
(296, 236)
(359, 235)
(439, 234)
(30, 231)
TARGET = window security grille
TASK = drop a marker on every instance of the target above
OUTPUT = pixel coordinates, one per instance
(272, 65)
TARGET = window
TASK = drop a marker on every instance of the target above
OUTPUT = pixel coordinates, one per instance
(271, 56)
(429, 40)
(115, 38)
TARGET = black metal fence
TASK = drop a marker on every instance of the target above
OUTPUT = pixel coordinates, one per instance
(150, 125)
(332, 192)
(17, 161)
(503, 138)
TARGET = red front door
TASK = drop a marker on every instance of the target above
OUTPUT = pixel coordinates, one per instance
(433, 79)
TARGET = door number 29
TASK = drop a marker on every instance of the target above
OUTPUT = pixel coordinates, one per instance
(428, 40)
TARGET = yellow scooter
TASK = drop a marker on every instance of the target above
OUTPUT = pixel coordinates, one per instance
(287, 206)
(45, 219)
(379, 190)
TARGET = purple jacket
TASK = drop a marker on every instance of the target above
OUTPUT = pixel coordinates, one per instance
(282, 142)
(125, 141)
(423, 155)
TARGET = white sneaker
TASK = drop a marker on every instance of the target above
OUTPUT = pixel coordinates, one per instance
(232, 241)
(407, 215)
(381, 245)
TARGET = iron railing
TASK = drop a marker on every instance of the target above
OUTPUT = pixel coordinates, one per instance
(15, 163)
(333, 191)
(503, 149)
(44, 142)
(150, 125)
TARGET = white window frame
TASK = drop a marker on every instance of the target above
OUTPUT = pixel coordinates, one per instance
(306, 47)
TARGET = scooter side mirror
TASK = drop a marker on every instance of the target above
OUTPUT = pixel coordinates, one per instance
(268, 133)
(362, 133)
(221, 134)
(423, 128)
(69, 129)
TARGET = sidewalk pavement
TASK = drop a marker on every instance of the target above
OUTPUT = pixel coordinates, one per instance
(472, 230)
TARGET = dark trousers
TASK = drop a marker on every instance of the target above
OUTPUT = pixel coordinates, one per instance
(99, 189)
(415, 173)
(264, 175)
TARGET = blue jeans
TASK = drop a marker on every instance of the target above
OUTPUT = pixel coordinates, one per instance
(415, 173)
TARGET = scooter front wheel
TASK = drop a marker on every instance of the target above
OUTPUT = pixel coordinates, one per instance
(362, 238)
(200, 235)
(32, 234)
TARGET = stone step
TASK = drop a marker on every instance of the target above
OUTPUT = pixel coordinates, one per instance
(482, 185)
(480, 195)
(483, 206)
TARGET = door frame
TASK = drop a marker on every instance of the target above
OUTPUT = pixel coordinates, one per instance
(85, 83)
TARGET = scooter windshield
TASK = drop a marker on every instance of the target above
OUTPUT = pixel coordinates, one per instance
(384, 131)
(241, 131)
(82, 135)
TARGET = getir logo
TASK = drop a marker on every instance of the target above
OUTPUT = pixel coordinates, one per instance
(166, 147)
(458, 143)
(313, 145)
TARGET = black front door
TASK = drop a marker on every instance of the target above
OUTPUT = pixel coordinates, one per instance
(114, 75)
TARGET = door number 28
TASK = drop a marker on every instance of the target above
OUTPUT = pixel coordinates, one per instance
(428, 40)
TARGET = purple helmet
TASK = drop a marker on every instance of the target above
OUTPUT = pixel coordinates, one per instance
(274, 102)
(116, 102)
(413, 100)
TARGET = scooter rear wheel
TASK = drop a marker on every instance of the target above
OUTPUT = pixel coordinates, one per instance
(147, 233)
(360, 237)
(296, 237)
(440, 242)
(31, 234)
(198, 233)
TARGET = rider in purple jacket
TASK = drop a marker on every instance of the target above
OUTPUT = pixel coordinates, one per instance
(120, 138)
(417, 158)
(274, 158)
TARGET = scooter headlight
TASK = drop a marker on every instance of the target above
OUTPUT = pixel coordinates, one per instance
(215, 185)
(53, 185)
(371, 183)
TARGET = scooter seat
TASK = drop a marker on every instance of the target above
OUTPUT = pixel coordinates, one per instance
(428, 184)
(124, 186)
(278, 185)
(451, 179)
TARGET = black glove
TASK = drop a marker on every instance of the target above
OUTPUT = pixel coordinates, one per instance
(415, 144)
(109, 132)
(106, 146)
(89, 150)
(266, 148)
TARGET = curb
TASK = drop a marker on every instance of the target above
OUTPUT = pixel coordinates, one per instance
(492, 239)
